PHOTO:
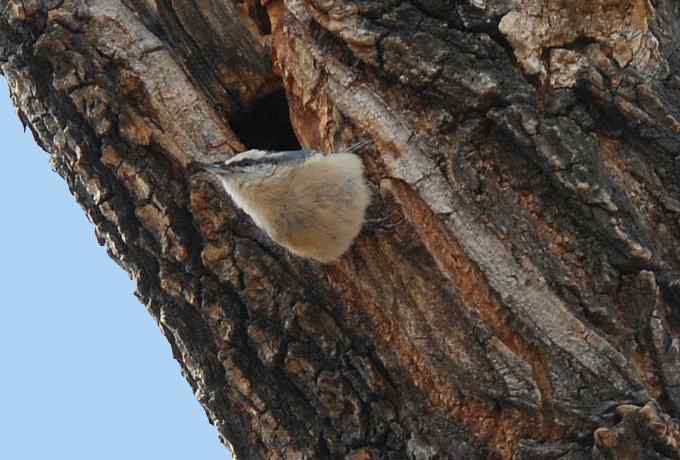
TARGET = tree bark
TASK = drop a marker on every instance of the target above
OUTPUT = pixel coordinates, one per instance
(523, 303)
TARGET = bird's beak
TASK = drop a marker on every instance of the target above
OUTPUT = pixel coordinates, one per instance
(199, 166)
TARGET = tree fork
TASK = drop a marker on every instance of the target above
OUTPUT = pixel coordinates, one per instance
(526, 305)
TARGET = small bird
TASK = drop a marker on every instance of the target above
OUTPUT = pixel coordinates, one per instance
(312, 204)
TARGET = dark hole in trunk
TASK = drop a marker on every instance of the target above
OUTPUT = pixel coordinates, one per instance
(262, 19)
(267, 126)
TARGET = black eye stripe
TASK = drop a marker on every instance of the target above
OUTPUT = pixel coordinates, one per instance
(274, 159)
(250, 162)
(245, 162)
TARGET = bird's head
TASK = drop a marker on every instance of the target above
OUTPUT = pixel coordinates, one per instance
(254, 166)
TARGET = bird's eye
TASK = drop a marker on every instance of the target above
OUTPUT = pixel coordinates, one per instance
(245, 163)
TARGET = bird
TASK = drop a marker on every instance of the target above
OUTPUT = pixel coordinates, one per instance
(312, 204)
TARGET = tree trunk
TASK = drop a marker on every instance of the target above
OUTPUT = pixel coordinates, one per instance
(522, 304)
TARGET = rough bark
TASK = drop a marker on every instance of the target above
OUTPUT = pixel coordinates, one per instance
(525, 303)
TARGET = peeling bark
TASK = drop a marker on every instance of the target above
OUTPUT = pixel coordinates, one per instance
(525, 303)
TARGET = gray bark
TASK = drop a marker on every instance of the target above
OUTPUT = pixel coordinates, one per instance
(525, 302)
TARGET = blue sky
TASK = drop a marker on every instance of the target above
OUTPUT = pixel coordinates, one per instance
(85, 373)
